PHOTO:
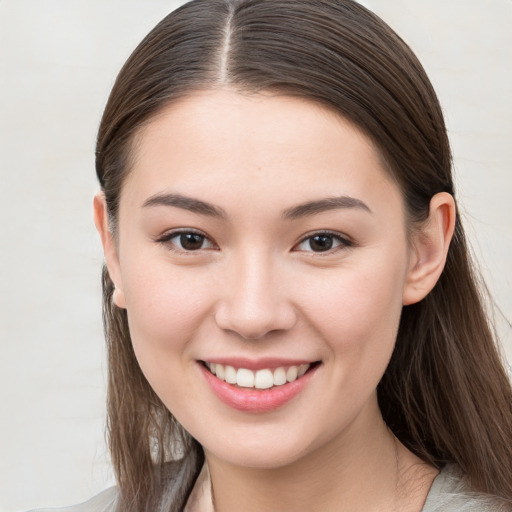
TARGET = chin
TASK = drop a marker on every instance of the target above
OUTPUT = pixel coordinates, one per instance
(272, 449)
(264, 457)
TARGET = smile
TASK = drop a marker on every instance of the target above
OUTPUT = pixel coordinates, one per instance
(266, 387)
(265, 378)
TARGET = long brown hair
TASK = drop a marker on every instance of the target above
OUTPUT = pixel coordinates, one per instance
(445, 393)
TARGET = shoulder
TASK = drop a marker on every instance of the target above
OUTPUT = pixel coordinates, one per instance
(451, 493)
(106, 501)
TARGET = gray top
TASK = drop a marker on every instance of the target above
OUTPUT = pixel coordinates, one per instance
(447, 494)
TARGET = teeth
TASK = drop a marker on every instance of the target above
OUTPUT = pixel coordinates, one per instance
(291, 373)
(303, 368)
(245, 378)
(261, 379)
(220, 371)
(230, 375)
(279, 376)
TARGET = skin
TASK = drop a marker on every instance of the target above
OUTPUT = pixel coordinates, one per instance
(256, 288)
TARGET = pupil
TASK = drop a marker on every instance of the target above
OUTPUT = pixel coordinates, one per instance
(321, 243)
(191, 241)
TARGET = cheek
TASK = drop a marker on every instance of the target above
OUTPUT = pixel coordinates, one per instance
(358, 310)
(165, 312)
(166, 307)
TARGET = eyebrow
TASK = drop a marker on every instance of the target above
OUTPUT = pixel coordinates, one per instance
(186, 203)
(210, 210)
(323, 205)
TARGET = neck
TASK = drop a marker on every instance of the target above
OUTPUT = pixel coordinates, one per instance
(356, 471)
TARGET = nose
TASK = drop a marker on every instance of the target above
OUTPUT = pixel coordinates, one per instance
(253, 301)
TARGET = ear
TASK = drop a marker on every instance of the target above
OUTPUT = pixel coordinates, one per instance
(109, 248)
(430, 245)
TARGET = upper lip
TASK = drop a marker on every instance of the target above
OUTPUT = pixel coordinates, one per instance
(258, 364)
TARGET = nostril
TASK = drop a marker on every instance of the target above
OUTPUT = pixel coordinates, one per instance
(252, 322)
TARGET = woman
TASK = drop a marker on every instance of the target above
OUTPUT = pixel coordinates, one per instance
(292, 319)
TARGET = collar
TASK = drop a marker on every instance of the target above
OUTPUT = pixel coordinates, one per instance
(200, 499)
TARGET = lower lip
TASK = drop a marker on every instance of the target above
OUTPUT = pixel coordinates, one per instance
(256, 400)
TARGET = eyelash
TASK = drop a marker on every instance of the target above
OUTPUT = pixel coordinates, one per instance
(342, 241)
(167, 238)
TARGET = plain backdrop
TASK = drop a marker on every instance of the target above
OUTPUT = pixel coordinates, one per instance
(58, 61)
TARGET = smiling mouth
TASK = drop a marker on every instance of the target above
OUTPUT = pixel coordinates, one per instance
(266, 378)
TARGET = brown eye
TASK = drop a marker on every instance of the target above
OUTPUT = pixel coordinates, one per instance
(191, 241)
(186, 241)
(323, 242)
(320, 243)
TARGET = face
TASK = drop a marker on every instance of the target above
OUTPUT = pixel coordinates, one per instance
(261, 238)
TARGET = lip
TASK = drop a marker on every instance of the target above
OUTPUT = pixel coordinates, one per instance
(255, 400)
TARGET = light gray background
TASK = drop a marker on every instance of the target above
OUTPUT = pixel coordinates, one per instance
(58, 60)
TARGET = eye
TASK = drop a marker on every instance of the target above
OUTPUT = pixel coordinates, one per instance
(322, 242)
(186, 241)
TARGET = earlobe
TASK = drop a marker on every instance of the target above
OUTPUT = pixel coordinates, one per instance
(109, 248)
(430, 246)
(118, 298)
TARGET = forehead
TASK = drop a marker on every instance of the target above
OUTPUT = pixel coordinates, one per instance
(260, 146)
